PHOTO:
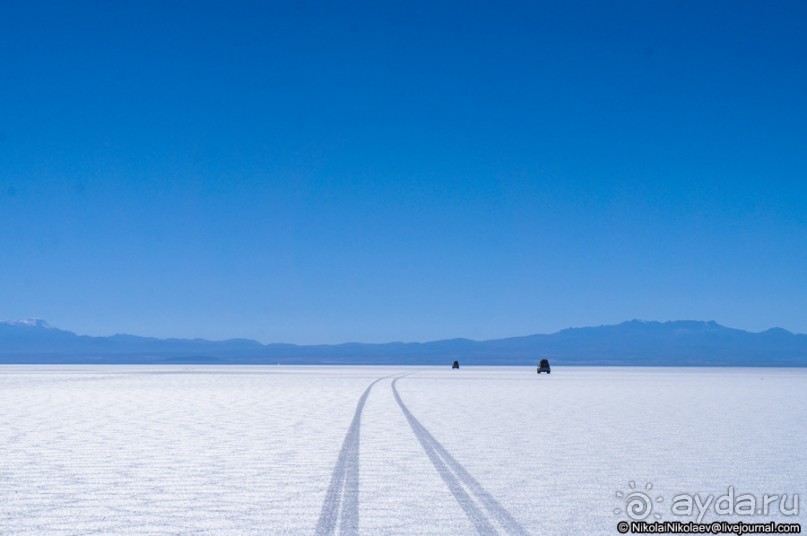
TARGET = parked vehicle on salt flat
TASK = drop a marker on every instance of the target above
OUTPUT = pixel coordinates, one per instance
(543, 366)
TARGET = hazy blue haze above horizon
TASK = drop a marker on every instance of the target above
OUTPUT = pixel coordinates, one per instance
(314, 173)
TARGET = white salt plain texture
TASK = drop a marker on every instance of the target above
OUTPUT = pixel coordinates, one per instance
(301, 450)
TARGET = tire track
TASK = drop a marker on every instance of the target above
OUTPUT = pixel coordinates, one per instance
(458, 479)
(343, 491)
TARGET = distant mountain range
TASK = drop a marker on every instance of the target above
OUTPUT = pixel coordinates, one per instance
(689, 343)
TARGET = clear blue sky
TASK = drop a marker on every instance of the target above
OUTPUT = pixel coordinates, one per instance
(317, 172)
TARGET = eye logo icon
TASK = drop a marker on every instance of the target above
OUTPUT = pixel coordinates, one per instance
(638, 503)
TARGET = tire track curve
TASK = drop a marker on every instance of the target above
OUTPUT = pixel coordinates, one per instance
(458, 480)
(343, 491)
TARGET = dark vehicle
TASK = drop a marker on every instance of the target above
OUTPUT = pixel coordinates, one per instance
(456, 365)
(543, 366)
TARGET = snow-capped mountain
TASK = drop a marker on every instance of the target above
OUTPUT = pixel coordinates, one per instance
(28, 322)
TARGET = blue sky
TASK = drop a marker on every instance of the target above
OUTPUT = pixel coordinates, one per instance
(314, 172)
